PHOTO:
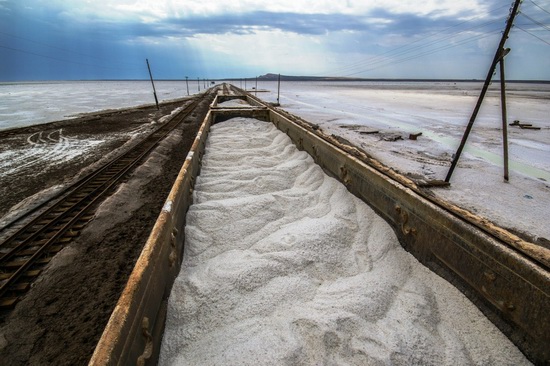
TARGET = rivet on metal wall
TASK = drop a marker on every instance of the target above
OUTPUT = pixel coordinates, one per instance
(148, 349)
(344, 175)
(173, 256)
(404, 218)
(490, 276)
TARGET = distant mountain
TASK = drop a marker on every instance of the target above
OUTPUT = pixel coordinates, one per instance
(274, 77)
(271, 77)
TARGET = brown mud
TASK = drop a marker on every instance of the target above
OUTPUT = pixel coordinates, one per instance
(60, 320)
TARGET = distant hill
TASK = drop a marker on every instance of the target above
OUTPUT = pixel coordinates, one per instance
(274, 77)
(271, 77)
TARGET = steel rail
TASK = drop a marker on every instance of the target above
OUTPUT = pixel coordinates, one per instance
(74, 186)
(35, 240)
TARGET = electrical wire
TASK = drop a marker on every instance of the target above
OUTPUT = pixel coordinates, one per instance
(413, 47)
(429, 52)
(408, 47)
(424, 51)
(373, 61)
(419, 48)
(540, 7)
(535, 21)
(64, 49)
(117, 64)
(534, 35)
(60, 60)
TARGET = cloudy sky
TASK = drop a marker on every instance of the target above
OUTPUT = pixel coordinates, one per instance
(110, 39)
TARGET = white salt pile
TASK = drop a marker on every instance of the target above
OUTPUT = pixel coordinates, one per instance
(283, 266)
(235, 103)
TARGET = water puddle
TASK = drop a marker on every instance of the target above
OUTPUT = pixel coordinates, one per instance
(493, 158)
(452, 144)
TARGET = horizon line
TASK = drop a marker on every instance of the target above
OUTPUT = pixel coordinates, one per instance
(274, 77)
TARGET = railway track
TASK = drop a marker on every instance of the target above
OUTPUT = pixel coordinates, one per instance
(226, 89)
(24, 253)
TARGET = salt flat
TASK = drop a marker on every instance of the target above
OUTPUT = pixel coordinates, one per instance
(441, 110)
(283, 266)
(31, 103)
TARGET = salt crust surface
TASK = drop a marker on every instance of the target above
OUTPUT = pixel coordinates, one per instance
(32, 103)
(441, 110)
(283, 266)
(235, 103)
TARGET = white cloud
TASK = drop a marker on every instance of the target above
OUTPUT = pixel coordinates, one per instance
(435, 8)
(265, 51)
(357, 7)
(161, 9)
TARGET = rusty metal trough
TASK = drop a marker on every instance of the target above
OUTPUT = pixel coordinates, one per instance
(505, 276)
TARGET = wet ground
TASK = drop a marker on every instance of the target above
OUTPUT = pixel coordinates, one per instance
(61, 318)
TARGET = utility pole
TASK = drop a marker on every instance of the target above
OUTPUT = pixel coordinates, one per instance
(279, 89)
(152, 83)
(504, 117)
(496, 60)
(187, 83)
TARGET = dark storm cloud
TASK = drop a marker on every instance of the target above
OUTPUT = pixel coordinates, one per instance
(39, 37)
(378, 22)
(312, 24)
(249, 23)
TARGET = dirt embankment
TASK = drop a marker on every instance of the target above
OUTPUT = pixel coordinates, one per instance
(61, 318)
(52, 154)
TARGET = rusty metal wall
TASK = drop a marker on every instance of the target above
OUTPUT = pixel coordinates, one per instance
(511, 288)
(134, 331)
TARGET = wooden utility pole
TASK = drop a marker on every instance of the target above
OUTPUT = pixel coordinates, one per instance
(496, 60)
(151, 76)
(504, 117)
(279, 89)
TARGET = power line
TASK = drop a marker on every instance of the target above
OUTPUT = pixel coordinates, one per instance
(64, 49)
(428, 52)
(409, 47)
(424, 51)
(413, 46)
(536, 21)
(60, 60)
(46, 45)
(540, 7)
(534, 35)
(370, 62)
(439, 40)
